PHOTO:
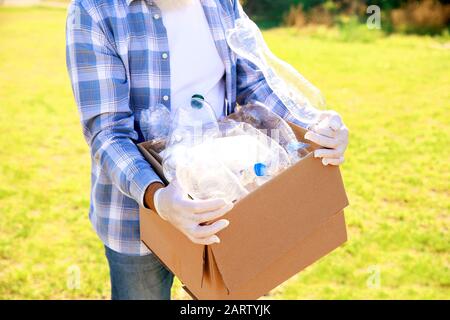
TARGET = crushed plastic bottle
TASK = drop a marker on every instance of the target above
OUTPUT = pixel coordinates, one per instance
(238, 154)
(190, 125)
(203, 176)
(300, 97)
(212, 159)
(155, 124)
(265, 120)
(198, 170)
(244, 147)
(194, 123)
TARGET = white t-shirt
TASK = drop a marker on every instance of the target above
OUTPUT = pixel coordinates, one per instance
(195, 63)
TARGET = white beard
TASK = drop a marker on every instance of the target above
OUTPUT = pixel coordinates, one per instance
(173, 4)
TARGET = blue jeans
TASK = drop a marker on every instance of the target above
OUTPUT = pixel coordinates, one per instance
(138, 278)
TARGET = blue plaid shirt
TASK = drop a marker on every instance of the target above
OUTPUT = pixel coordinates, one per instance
(117, 65)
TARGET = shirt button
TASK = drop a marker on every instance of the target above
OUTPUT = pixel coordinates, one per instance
(156, 16)
(166, 98)
(165, 56)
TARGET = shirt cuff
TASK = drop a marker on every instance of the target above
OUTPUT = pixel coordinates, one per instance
(140, 183)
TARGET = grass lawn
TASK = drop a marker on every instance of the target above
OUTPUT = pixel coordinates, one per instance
(393, 93)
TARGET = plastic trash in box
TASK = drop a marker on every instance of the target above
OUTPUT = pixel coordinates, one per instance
(197, 169)
(212, 159)
(299, 96)
(264, 119)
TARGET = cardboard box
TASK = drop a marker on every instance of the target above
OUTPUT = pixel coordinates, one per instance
(275, 232)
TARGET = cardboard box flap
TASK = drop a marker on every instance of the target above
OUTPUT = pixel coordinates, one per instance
(259, 236)
(212, 278)
(174, 249)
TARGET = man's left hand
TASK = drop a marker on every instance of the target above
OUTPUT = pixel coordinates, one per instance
(330, 132)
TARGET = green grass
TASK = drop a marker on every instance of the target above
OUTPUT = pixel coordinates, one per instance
(393, 93)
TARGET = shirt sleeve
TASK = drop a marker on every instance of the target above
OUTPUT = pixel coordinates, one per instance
(101, 90)
(252, 85)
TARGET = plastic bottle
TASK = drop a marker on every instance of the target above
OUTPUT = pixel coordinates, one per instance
(193, 123)
(203, 177)
(190, 158)
(244, 146)
(300, 97)
(265, 120)
(190, 125)
(155, 124)
(212, 159)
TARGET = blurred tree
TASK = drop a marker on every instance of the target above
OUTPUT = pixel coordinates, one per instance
(268, 10)
(275, 10)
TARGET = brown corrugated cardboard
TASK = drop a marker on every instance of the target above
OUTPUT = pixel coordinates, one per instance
(275, 232)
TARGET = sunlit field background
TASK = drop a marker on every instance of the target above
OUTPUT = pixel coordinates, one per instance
(393, 92)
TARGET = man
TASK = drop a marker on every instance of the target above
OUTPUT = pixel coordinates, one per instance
(125, 56)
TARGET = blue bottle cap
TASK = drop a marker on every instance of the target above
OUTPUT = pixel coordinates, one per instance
(260, 169)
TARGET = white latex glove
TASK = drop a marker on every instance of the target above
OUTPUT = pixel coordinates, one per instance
(331, 133)
(189, 216)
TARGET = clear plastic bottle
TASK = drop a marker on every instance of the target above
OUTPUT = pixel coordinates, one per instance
(190, 156)
(300, 97)
(191, 125)
(155, 124)
(203, 176)
(244, 146)
(212, 159)
(265, 120)
(238, 153)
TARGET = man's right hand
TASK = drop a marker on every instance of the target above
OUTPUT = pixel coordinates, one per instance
(191, 217)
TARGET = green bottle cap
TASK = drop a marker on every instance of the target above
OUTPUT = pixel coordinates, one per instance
(197, 101)
(198, 96)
